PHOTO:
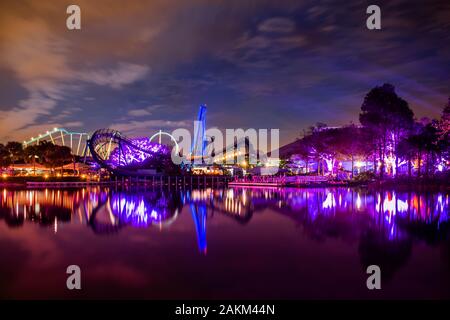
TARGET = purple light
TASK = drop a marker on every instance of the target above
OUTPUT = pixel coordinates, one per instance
(141, 150)
(139, 211)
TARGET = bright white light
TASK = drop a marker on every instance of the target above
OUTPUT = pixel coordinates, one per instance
(329, 202)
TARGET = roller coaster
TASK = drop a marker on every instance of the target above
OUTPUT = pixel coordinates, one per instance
(115, 152)
(122, 155)
(75, 140)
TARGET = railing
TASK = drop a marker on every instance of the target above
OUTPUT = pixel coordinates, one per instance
(169, 181)
(306, 179)
(194, 180)
(267, 180)
(66, 184)
(279, 180)
(162, 180)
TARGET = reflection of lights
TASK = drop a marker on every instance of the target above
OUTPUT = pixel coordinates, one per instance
(136, 210)
(384, 209)
(391, 204)
(329, 201)
(439, 204)
(244, 197)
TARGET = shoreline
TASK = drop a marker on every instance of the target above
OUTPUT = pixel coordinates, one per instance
(403, 184)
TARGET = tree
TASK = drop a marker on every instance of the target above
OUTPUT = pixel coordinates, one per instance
(56, 156)
(445, 119)
(444, 139)
(353, 143)
(304, 152)
(430, 136)
(389, 117)
(5, 157)
(15, 150)
(33, 152)
(425, 144)
(324, 145)
(407, 151)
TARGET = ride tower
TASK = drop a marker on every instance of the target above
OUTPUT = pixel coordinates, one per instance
(199, 142)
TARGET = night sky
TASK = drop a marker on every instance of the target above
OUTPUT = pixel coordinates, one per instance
(141, 66)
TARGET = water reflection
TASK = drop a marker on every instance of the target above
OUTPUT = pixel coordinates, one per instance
(383, 224)
(143, 208)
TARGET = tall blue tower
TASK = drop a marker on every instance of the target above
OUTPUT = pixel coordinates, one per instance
(199, 142)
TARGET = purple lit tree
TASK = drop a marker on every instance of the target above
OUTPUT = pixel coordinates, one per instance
(389, 117)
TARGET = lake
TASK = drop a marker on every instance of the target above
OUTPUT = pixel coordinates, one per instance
(234, 243)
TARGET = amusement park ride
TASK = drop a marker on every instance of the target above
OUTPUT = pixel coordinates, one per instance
(75, 140)
(121, 155)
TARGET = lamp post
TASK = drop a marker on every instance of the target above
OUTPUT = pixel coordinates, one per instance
(34, 163)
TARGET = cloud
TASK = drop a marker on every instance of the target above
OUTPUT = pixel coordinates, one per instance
(124, 74)
(40, 62)
(304, 53)
(139, 112)
(72, 124)
(21, 118)
(142, 112)
(149, 127)
(277, 25)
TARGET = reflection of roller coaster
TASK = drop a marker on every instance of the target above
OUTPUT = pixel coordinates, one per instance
(124, 209)
(119, 154)
(108, 212)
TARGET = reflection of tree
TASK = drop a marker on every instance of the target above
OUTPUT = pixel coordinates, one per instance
(384, 233)
(49, 213)
(389, 255)
(433, 233)
(11, 220)
(45, 217)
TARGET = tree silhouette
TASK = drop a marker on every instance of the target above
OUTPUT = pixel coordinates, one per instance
(5, 157)
(15, 151)
(389, 117)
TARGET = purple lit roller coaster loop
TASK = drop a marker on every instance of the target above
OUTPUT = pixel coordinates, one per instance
(104, 141)
(115, 152)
